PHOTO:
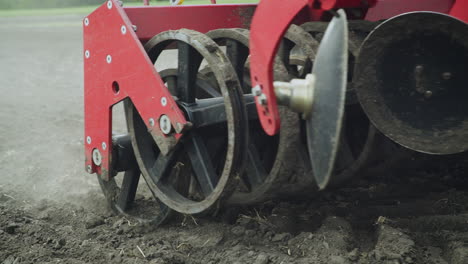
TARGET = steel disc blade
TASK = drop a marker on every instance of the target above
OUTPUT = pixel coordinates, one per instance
(324, 123)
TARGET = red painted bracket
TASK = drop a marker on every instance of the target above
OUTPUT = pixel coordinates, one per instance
(116, 67)
(153, 20)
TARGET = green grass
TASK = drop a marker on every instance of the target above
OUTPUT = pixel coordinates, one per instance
(88, 9)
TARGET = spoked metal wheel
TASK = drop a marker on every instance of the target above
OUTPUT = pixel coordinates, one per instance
(213, 150)
(121, 190)
(270, 159)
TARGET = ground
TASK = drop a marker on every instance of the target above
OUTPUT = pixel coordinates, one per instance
(51, 211)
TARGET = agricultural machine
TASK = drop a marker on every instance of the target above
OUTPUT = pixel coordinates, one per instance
(283, 98)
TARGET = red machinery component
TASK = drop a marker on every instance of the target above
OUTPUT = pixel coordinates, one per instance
(119, 67)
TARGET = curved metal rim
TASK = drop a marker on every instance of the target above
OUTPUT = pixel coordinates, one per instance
(235, 116)
(365, 74)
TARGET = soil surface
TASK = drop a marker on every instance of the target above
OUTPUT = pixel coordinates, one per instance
(51, 211)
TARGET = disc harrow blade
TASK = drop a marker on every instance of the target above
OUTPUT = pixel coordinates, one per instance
(323, 126)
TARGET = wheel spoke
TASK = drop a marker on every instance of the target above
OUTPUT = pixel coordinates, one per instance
(128, 189)
(255, 173)
(189, 61)
(237, 53)
(208, 88)
(202, 165)
(162, 166)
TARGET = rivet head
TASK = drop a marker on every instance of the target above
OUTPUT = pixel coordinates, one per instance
(86, 21)
(87, 54)
(151, 122)
(163, 101)
(109, 59)
(109, 4)
(88, 139)
(97, 158)
(123, 29)
(104, 145)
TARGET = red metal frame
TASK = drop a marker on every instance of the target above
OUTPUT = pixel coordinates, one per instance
(201, 18)
(109, 31)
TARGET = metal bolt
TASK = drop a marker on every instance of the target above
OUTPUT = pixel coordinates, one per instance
(89, 169)
(87, 54)
(262, 99)
(179, 127)
(165, 124)
(123, 29)
(88, 139)
(104, 145)
(109, 4)
(163, 101)
(428, 94)
(151, 122)
(109, 59)
(97, 158)
(120, 3)
(257, 90)
(135, 28)
(419, 68)
(447, 75)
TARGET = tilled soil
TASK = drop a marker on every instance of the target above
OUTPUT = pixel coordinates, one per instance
(398, 217)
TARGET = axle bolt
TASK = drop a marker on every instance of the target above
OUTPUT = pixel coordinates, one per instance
(97, 158)
(151, 122)
(262, 99)
(257, 90)
(165, 124)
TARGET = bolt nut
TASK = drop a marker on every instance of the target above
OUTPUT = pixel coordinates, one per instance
(89, 169)
(109, 59)
(123, 29)
(262, 99)
(109, 4)
(257, 90)
(165, 124)
(135, 28)
(104, 145)
(87, 54)
(86, 21)
(163, 101)
(447, 75)
(151, 122)
(97, 158)
(88, 139)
